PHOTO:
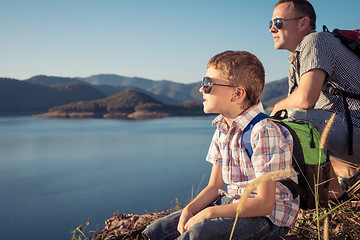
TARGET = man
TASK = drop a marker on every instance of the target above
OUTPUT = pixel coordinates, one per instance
(318, 59)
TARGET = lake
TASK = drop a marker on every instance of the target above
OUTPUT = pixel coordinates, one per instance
(56, 174)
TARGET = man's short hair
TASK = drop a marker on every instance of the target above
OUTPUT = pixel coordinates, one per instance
(303, 8)
(242, 69)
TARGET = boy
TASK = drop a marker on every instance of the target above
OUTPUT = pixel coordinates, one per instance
(232, 87)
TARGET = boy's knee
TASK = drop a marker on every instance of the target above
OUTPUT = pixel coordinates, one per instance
(163, 228)
(204, 230)
(194, 232)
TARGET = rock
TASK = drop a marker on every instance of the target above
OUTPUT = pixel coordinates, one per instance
(127, 226)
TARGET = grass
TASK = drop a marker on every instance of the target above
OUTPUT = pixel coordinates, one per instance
(339, 221)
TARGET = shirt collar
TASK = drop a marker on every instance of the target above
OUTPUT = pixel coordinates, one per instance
(241, 121)
(292, 58)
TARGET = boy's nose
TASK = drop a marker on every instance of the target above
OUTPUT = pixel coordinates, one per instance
(201, 89)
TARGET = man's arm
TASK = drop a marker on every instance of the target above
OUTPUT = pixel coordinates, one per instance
(307, 93)
(261, 205)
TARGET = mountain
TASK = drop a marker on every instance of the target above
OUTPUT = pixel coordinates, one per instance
(273, 92)
(111, 90)
(177, 92)
(164, 91)
(79, 91)
(50, 80)
(127, 104)
(171, 92)
(20, 97)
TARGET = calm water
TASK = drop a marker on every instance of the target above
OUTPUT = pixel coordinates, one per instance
(57, 173)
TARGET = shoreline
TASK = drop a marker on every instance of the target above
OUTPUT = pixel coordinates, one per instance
(115, 115)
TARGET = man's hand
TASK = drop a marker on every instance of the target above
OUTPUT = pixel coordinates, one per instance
(274, 110)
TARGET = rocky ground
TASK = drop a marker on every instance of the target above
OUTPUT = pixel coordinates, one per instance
(126, 226)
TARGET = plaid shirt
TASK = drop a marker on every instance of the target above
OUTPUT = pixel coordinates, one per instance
(272, 149)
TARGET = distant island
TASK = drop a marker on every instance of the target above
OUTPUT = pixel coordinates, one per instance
(109, 96)
(128, 104)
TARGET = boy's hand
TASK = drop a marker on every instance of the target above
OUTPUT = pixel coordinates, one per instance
(184, 218)
(201, 216)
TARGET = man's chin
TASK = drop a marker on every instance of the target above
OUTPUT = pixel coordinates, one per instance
(278, 46)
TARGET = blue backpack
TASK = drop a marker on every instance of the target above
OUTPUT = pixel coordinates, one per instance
(305, 160)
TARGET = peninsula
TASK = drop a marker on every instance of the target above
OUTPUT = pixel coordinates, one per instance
(128, 104)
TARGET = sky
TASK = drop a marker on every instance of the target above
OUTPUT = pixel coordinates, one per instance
(158, 39)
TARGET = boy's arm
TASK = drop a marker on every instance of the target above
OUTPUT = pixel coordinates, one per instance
(208, 195)
(261, 205)
(307, 93)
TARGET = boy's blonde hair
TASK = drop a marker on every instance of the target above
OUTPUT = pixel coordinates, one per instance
(242, 69)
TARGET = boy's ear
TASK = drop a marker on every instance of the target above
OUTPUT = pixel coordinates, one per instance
(238, 94)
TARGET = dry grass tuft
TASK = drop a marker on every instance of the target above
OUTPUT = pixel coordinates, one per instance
(266, 177)
(326, 132)
(343, 222)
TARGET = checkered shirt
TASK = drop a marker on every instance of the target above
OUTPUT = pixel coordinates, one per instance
(272, 150)
(342, 66)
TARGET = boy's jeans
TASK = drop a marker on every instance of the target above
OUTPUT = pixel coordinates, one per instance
(218, 228)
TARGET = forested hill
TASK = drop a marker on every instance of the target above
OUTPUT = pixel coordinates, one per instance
(20, 97)
(126, 104)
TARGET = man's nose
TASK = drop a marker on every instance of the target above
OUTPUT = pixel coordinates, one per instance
(273, 29)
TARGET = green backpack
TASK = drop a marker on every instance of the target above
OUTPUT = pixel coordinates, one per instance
(309, 161)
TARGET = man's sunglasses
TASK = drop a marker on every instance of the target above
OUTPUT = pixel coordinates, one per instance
(207, 84)
(279, 22)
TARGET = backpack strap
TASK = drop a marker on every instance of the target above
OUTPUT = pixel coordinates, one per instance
(329, 88)
(298, 156)
(247, 132)
(298, 163)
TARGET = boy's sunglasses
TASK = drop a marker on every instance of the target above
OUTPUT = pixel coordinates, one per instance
(279, 22)
(207, 84)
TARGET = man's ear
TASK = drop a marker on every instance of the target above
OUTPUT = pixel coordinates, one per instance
(304, 23)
